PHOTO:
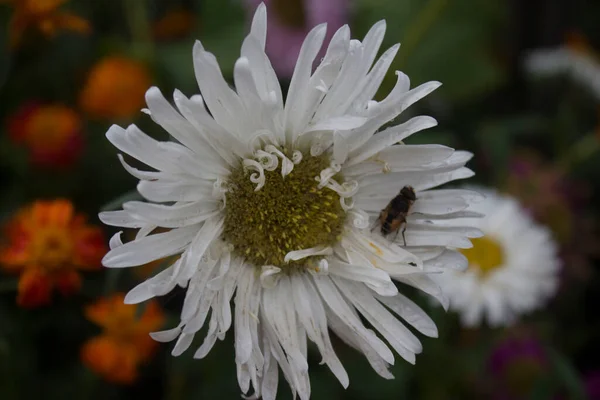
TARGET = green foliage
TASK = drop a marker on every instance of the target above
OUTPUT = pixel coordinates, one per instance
(486, 106)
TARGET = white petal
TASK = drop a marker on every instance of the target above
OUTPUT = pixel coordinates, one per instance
(375, 278)
(339, 306)
(448, 259)
(298, 85)
(166, 336)
(176, 190)
(390, 136)
(369, 86)
(258, 29)
(280, 312)
(223, 103)
(352, 339)
(427, 285)
(411, 313)
(183, 343)
(120, 218)
(175, 216)
(115, 241)
(182, 130)
(243, 339)
(150, 248)
(148, 289)
(313, 251)
(399, 337)
(311, 314)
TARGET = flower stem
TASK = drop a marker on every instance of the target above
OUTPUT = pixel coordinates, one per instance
(419, 27)
(580, 150)
(136, 12)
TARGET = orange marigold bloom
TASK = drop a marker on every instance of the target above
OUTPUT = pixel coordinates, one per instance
(51, 133)
(44, 16)
(125, 343)
(577, 42)
(115, 88)
(47, 243)
(175, 24)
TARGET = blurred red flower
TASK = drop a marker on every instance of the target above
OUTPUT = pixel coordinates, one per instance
(52, 134)
(47, 244)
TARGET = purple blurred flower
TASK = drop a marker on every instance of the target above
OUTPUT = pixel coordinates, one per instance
(516, 364)
(290, 22)
(592, 385)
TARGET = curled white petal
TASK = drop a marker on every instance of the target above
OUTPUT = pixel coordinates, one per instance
(269, 276)
(358, 218)
(313, 251)
(328, 173)
(115, 240)
(347, 203)
(267, 160)
(286, 164)
(259, 176)
(296, 157)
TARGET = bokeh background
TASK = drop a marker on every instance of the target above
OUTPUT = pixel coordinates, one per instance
(521, 90)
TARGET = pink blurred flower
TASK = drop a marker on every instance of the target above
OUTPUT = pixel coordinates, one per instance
(291, 21)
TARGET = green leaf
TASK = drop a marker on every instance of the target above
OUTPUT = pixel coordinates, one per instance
(566, 375)
(440, 41)
(175, 62)
(543, 389)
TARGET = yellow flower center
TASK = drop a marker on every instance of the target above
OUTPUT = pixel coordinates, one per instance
(287, 214)
(485, 256)
(51, 248)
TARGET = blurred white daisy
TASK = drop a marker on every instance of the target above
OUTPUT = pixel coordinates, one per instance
(513, 269)
(576, 59)
(271, 205)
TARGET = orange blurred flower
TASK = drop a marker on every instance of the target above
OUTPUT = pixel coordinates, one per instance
(51, 133)
(115, 88)
(125, 343)
(577, 42)
(47, 243)
(44, 16)
(175, 24)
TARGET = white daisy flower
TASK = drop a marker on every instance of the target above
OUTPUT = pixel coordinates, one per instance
(582, 68)
(512, 270)
(272, 205)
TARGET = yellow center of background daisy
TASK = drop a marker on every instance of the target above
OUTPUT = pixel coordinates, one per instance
(486, 254)
(287, 214)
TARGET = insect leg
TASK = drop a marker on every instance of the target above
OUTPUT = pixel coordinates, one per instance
(404, 231)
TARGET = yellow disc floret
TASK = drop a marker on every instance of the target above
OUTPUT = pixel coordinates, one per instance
(486, 255)
(287, 214)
